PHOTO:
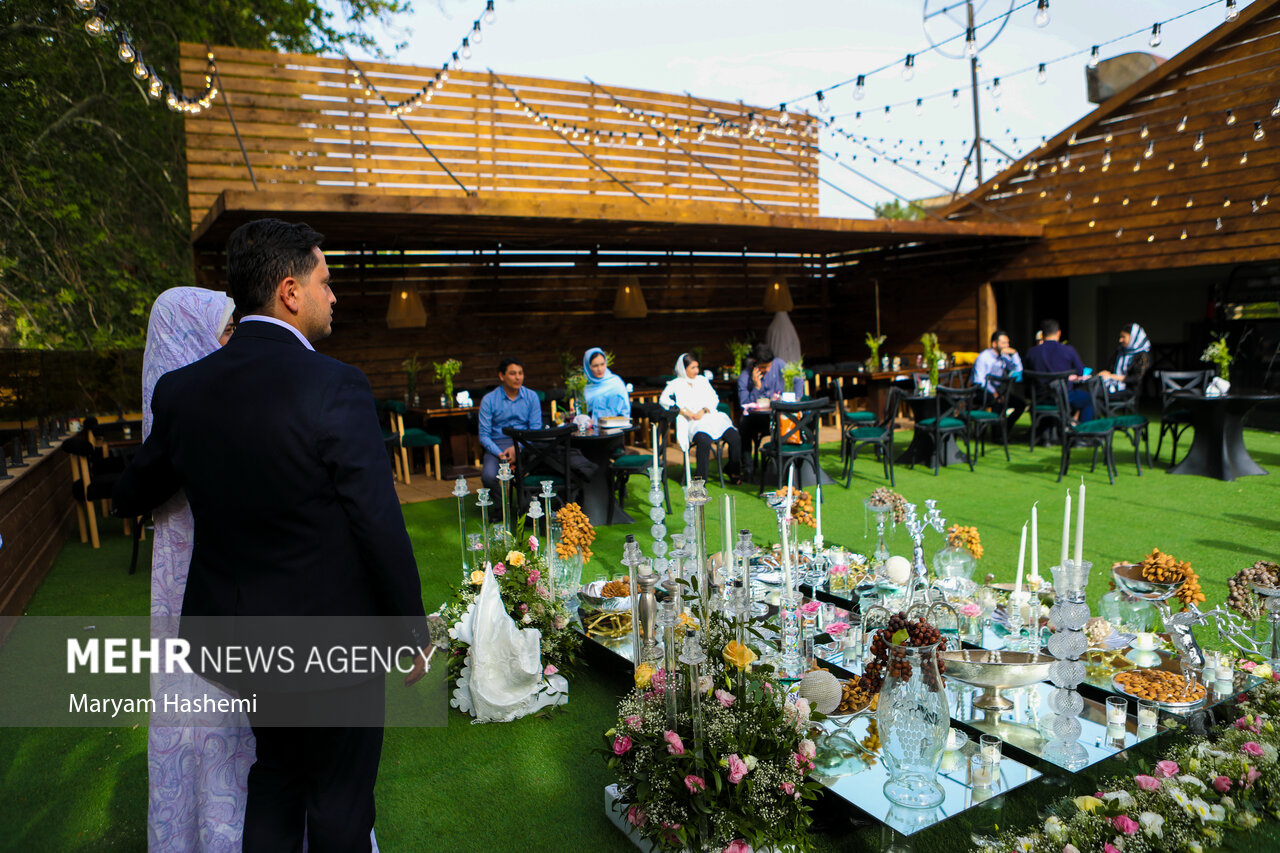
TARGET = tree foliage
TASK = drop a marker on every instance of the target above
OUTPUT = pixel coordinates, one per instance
(93, 208)
(897, 210)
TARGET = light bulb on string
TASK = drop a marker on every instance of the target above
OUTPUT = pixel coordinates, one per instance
(1119, 232)
(155, 88)
(857, 119)
(1041, 74)
(1199, 143)
(1231, 117)
(95, 26)
(1184, 234)
(1266, 197)
(955, 98)
(1226, 202)
(1155, 39)
(476, 36)
(1190, 201)
(1155, 201)
(909, 68)
(124, 50)
(1232, 11)
(860, 88)
(970, 42)
(995, 88)
(140, 69)
(86, 5)
(1110, 136)
(1244, 158)
(1106, 157)
(1171, 166)
(1182, 124)
(823, 106)
(1151, 150)
(1125, 203)
(466, 48)
(1042, 13)
(1094, 56)
(919, 106)
(1217, 225)
(1144, 133)
(1258, 133)
(1151, 236)
(1092, 222)
(1204, 164)
(1275, 111)
(888, 116)
(490, 14)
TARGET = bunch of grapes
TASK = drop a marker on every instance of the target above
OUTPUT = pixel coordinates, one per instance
(888, 658)
(884, 496)
(801, 505)
(576, 534)
(966, 538)
(1241, 597)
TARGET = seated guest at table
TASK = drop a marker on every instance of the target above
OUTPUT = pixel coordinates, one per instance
(509, 405)
(701, 422)
(758, 384)
(1133, 358)
(996, 361)
(1053, 356)
(606, 393)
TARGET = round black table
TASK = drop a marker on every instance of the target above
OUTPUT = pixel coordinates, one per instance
(598, 447)
(920, 451)
(1218, 447)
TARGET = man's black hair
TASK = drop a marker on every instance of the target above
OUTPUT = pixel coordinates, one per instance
(263, 253)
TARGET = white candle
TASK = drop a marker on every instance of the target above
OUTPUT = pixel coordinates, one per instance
(726, 532)
(688, 475)
(646, 568)
(654, 445)
(1147, 716)
(818, 540)
(1080, 525)
(1066, 529)
(1035, 547)
(1022, 557)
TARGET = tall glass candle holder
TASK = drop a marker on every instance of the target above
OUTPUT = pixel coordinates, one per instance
(548, 492)
(482, 501)
(1069, 614)
(668, 620)
(697, 498)
(881, 512)
(632, 558)
(658, 529)
(460, 491)
(504, 480)
(535, 515)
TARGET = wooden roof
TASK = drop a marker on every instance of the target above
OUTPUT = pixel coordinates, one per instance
(1170, 172)
(361, 218)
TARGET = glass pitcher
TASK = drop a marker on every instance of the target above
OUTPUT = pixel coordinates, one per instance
(913, 721)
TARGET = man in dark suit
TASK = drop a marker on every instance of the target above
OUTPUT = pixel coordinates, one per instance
(279, 451)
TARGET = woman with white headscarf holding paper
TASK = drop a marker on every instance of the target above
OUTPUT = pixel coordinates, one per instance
(701, 422)
(1133, 358)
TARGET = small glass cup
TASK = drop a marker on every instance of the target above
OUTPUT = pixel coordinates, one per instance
(1148, 714)
(982, 770)
(956, 740)
(1117, 711)
(989, 746)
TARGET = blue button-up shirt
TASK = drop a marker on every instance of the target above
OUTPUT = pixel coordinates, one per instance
(992, 364)
(498, 411)
(771, 384)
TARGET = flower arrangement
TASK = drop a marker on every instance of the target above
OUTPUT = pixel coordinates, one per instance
(739, 350)
(575, 385)
(966, 538)
(1218, 353)
(874, 343)
(521, 573)
(930, 343)
(1186, 802)
(446, 370)
(744, 786)
(412, 366)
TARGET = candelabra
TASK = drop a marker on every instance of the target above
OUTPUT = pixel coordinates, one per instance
(460, 491)
(504, 480)
(916, 527)
(1069, 614)
(482, 501)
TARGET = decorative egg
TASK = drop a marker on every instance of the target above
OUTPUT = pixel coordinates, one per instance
(897, 570)
(822, 689)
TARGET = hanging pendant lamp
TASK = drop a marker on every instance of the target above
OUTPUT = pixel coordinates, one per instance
(405, 309)
(628, 303)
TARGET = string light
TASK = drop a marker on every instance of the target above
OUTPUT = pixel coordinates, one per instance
(1144, 133)
(1231, 117)
(1042, 13)
(1093, 56)
(1190, 201)
(124, 50)
(860, 88)
(1182, 124)
(1125, 203)
(1155, 201)
(970, 42)
(909, 68)
(1184, 234)
(1155, 39)
(1151, 150)
(823, 106)
(86, 5)
(1137, 165)
(1232, 11)
(1199, 143)
(1119, 232)
(1106, 157)
(95, 25)
(466, 48)
(1170, 167)
(1275, 111)
(1218, 224)
(1244, 158)
(1110, 136)
(995, 88)
(1258, 133)
(919, 106)
(1041, 74)
(955, 98)
(887, 116)
(1151, 236)
(490, 14)
(1204, 164)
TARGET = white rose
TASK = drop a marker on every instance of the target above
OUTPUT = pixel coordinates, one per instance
(1054, 829)
(527, 618)
(807, 748)
(1123, 798)
(750, 761)
(1152, 824)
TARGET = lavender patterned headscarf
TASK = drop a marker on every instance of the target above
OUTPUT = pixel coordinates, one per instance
(184, 327)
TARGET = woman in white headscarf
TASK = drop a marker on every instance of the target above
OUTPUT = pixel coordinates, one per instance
(701, 422)
(1133, 359)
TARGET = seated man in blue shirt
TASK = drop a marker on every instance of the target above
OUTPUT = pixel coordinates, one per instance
(509, 405)
(1053, 356)
(761, 378)
(994, 362)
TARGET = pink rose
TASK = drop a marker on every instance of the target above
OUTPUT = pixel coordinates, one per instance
(1248, 665)
(633, 722)
(1221, 784)
(1251, 748)
(1243, 723)
(1110, 848)
(725, 697)
(810, 607)
(499, 569)
(737, 845)
(1147, 783)
(1166, 769)
(636, 816)
(1125, 824)
(524, 608)
(970, 610)
(1252, 775)
(801, 762)
(534, 576)
(621, 745)
(675, 746)
(659, 680)
(550, 669)
(835, 629)
(533, 544)
(737, 769)
(694, 783)
(789, 790)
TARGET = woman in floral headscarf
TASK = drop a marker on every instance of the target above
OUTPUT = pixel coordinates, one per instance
(1133, 359)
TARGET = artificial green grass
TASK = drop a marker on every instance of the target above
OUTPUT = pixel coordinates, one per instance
(535, 784)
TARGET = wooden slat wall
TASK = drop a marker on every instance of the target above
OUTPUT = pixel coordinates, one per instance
(35, 515)
(305, 121)
(536, 304)
(1084, 207)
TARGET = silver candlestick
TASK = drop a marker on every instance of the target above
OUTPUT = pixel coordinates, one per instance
(647, 612)
(460, 491)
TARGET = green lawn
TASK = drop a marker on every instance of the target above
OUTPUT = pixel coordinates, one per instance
(534, 784)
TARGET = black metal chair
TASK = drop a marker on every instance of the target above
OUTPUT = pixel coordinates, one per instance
(981, 421)
(1133, 425)
(878, 435)
(1040, 399)
(1175, 419)
(541, 454)
(946, 422)
(1096, 433)
(849, 420)
(622, 467)
(793, 438)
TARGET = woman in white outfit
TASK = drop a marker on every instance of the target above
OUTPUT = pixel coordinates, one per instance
(701, 422)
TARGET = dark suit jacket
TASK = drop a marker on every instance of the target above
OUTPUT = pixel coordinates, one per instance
(279, 451)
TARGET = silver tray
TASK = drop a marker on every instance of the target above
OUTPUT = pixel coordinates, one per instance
(1173, 705)
(590, 596)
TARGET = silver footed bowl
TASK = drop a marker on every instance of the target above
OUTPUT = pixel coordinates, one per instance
(590, 595)
(1129, 579)
(995, 670)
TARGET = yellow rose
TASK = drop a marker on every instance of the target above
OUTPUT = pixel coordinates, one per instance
(738, 655)
(515, 558)
(477, 577)
(1087, 804)
(644, 674)
(686, 620)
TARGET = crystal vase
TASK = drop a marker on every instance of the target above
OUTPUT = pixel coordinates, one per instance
(881, 512)
(1069, 614)
(913, 722)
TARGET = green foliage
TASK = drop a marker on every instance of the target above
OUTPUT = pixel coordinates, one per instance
(1218, 353)
(94, 222)
(930, 343)
(739, 350)
(896, 210)
(791, 371)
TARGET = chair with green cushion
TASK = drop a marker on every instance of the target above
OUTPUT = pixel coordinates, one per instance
(794, 442)
(1040, 402)
(541, 454)
(981, 421)
(387, 421)
(946, 421)
(407, 438)
(1131, 424)
(1096, 433)
(849, 421)
(1175, 417)
(878, 435)
(622, 467)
